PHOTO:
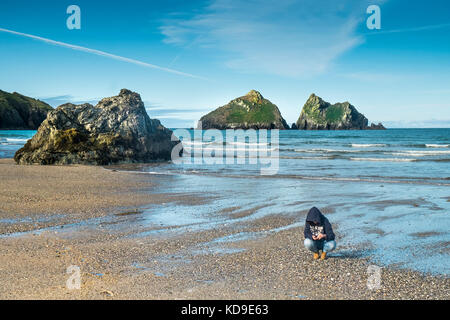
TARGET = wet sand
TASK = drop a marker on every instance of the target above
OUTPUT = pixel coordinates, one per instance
(55, 217)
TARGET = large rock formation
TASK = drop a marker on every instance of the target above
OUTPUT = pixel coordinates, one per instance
(18, 112)
(321, 115)
(378, 126)
(251, 111)
(116, 130)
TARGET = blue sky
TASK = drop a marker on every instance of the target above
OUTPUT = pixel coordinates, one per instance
(221, 49)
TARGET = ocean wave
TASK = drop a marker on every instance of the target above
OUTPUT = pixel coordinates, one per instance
(233, 143)
(384, 159)
(16, 140)
(437, 145)
(232, 149)
(421, 145)
(425, 152)
(333, 151)
(231, 174)
(359, 179)
(159, 173)
(405, 154)
(440, 160)
(237, 143)
(195, 143)
(420, 178)
(345, 136)
(368, 145)
(303, 142)
(309, 158)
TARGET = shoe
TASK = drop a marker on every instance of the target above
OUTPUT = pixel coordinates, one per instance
(323, 256)
(316, 256)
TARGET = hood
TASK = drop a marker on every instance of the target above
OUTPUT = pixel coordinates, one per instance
(314, 215)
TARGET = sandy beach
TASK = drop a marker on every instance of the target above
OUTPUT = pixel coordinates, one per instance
(91, 217)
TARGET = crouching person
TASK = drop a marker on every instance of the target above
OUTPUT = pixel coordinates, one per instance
(319, 234)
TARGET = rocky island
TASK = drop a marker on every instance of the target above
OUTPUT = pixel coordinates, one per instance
(318, 114)
(19, 112)
(116, 130)
(251, 111)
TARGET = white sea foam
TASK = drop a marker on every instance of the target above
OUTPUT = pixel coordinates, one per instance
(426, 152)
(231, 149)
(195, 143)
(367, 145)
(16, 140)
(156, 173)
(307, 158)
(238, 143)
(437, 145)
(329, 151)
(384, 159)
(404, 154)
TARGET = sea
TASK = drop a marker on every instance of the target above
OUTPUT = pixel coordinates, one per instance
(387, 192)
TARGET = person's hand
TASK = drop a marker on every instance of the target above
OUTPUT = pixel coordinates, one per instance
(321, 236)
(314, 238)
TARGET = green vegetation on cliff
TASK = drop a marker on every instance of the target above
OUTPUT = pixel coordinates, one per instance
(249, 111)
(20, 112)
(333, 114)
(318, 114)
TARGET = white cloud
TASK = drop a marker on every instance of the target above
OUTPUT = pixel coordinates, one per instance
(286, 37)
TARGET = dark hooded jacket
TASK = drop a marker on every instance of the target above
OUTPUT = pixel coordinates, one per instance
(314, 215)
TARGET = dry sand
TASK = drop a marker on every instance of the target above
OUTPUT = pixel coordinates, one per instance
(117, 262)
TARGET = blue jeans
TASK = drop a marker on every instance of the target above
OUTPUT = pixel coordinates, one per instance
(316, 245)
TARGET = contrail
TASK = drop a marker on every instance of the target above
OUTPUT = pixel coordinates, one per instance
(423, 28)
(101, 53)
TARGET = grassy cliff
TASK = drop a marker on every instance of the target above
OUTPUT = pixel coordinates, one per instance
(249, 111)
(318, 114)
(20, 112)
